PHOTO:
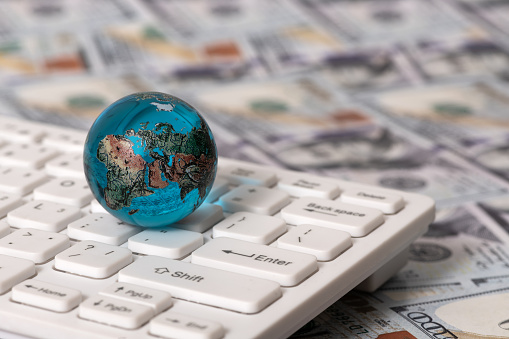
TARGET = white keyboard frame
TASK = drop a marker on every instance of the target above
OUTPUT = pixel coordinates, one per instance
(296, 307)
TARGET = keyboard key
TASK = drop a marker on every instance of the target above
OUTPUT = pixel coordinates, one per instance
(115, 312)
(69, 191)
(256, 199)
(5, 229)
(31, 244)
(13, 271)
(261, 229)
(93, 259)
(43, 215)
(155, 299)
(8, 202)
(26, 155)
(96, 207)
(65, 140)
(324, 243)
(288, 268)
(356, 220)
(203, 218)
(248, 176)
(168, 242)
(178, 326)
(205, 285)
(219, 188)
(20, 181)
(20, 131)
(66, 165)
(387, 203)
(101, 227)
(46, 295)
(300, 185)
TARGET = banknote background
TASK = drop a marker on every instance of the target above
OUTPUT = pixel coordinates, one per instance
(407, 94)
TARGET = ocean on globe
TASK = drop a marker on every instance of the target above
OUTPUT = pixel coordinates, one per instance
(150, 159)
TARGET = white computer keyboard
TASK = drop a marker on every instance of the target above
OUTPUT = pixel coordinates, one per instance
(267, 252)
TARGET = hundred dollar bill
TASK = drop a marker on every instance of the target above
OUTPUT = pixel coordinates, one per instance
(419, 311)
(231, 145)
(382, 20)
(294, 48)
(469, 117)
(383, 155)
(26, 16)
(405, 293)
(362, 68)
(498, 210)
(463, 242)
(43, 54)
(472, 315)
(278, 108)
(72, 101)
(190, 19)
(312, 130)
(354, 316)
(492, 13)
(471, 51)
(413, 291)
(464, 250)
(144, 46)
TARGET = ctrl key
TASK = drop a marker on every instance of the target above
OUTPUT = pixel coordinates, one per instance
(115, 312)
(180, 326)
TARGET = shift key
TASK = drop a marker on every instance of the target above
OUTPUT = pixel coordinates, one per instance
(202, 284)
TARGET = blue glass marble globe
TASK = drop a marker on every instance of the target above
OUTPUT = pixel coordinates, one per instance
(150, 159)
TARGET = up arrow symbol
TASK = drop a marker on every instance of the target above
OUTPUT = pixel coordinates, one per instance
(162, 270)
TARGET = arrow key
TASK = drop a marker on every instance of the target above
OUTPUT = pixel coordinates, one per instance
(115, 312)
(155, 299)
(45, 295)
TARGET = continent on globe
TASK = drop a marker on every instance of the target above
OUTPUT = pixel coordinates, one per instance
(126, 171)
(150, 159)
(178, 157)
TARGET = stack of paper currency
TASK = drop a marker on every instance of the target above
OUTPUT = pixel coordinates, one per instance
(407, 94)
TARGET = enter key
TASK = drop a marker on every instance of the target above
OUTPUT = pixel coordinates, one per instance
(288, 268)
